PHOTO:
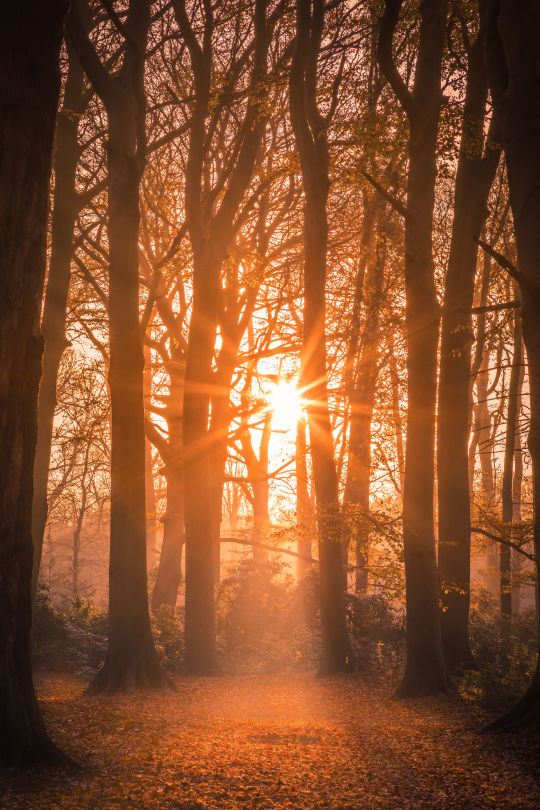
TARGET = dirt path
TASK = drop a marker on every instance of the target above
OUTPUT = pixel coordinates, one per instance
(272, 742)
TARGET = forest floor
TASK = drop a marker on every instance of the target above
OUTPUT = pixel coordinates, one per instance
(287, 741)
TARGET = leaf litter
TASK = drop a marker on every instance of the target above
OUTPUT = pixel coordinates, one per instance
(287, 741)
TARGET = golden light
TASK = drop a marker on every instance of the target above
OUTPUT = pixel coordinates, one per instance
(287, 405)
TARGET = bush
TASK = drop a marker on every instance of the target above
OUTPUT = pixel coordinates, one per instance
(377, 634)
(71, 639)
(506, 663)
(168, 632)
(264, 623)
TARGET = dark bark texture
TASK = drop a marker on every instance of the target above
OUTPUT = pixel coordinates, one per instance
(30, 38)
(53, 322)
(475, 172)
(513, 59)
(132, 661)
(425, 671)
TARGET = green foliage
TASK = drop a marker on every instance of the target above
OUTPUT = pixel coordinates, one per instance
(506, 662)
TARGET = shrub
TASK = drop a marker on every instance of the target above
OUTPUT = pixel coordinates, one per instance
(505, 662)
(72, 638)
(263, 622)
(377, 633)
(168, 631)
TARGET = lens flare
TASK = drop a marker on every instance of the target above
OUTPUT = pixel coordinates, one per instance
(286, 404)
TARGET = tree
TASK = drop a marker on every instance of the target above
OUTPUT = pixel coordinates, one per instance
(210, 232)
(30, 40)
(477, 164)
(425, 670)
(53, 324)
(132, 661)
(513, 54)
(362, 402)
(310, 131)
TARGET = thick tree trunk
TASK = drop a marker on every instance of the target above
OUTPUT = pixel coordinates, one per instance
(53, 323)
(425, 671)
(514, 54)
(30, 38)
(132, 661)
(474, 177)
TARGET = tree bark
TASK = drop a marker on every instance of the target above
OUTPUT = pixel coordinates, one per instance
(30, 38)
(305, 525)
(257, 470)
(132, 661)
(362, 404)
(169, 574)
(505, 569)
(425, 671)
(514, 68)
(53, 323)
(475, 172)
(310, 131)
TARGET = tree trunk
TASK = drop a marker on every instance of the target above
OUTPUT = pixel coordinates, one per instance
(304, 514)
(481, 422)
(517, 483)
(150, 505)
(169, 574)
(257, 470)
(132, 661)
(311, 141)
(396, 415)
(425, 671)
(508, 475)
(362, 405)
(474, 177)
(53, 323)
(198, 470)
(514, 54)
(30, 38)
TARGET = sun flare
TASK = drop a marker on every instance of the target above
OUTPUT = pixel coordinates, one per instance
(287, 405)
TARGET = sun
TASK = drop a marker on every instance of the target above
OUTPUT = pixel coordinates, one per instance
(286, 404)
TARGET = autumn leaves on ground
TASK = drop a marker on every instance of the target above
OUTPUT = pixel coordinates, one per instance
(274, 741)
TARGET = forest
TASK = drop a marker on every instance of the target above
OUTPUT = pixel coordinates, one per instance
(269, 404)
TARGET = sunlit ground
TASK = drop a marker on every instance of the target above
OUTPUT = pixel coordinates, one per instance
(287, 741)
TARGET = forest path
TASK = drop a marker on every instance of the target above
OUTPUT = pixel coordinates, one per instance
(280, 741)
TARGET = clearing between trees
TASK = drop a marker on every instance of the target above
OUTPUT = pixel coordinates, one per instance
(273, 741)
